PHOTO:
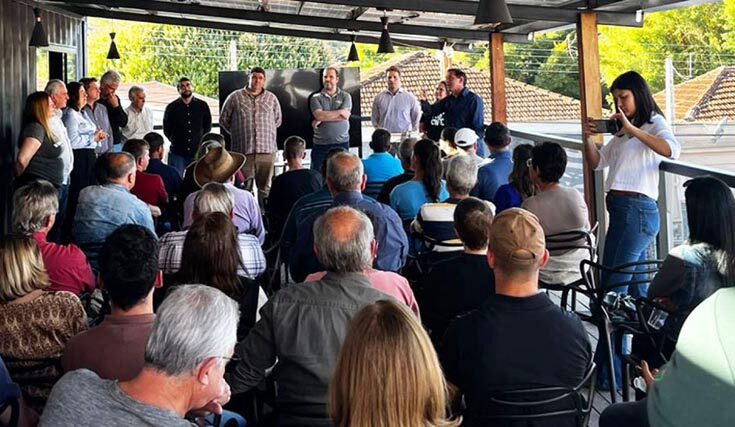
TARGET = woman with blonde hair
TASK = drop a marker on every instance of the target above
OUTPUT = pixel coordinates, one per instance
(35, 324)
(388, 373)
(39, 156)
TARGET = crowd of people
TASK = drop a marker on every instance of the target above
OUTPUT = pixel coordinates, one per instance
(136, 290)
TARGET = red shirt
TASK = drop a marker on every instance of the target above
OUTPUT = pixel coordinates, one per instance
(150, 189)
(67, 266)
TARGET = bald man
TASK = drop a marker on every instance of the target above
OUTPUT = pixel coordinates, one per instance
(297, 317)
(346, 179)
(103, 208)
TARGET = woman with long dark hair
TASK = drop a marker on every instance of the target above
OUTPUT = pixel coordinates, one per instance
(519, 186)
(40, 151)
(425, 187)
(211, 256)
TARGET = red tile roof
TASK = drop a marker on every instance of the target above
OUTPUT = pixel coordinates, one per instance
(690, 94)
(421, 71)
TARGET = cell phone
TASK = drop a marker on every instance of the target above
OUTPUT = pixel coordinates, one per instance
(607, 126)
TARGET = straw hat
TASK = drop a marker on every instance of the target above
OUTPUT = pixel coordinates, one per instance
(217, 165)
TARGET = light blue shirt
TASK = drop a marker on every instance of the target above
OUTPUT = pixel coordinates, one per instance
(407, 198)
(103, 208)
(494, 174)
(380, 167)
(80, 130)
(101, 120)
(396, 112)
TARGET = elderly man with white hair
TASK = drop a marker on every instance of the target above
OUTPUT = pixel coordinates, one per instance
(140, 117)
(109, 82)
(193, 338)
(302, 327)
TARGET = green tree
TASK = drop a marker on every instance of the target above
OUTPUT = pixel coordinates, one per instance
(560, 72)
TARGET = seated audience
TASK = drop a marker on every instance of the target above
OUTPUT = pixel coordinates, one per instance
(518, 338)
(34, 214)
(435, 221)
(495, 173)
(388, 373)
(559, 209)
(35, 323)
(697, 386)
(464, 282)
(345, 179)
(219, 165)
(446, 143)
(405, 151)
(169, 175)
(188, 185)
(291, 185)
(210, 257)
(303, 326)
(519, 186)
(305, 206)
(9, 393)
(102, 208)
(148, 187)
(213, 197)
(381, 165)
(129, 273)
(425, 187)
(466, 140)
(192, 339)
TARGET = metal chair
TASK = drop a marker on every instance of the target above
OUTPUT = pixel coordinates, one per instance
(536, 405)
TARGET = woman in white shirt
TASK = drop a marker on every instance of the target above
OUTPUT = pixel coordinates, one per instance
(633, 157)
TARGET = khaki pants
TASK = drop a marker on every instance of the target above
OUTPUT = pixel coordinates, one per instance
(260, 167)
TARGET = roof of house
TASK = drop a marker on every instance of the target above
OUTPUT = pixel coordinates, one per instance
(705, 98)
(159, 95)
(421, 71)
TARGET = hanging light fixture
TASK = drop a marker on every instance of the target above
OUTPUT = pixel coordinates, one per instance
(39, 37)
(353, 56)
(386, 44)
(491, 13)
(113, 53)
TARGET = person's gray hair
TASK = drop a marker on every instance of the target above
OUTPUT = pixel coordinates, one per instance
(133, 91)
(54, 86)
(33, 204)
(405, 150)
(344, 171)
(194, 323)
(111, 76)
(214, 197)
(461, 175)
(343, 238)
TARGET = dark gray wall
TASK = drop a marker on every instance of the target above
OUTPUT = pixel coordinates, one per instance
(18, 77)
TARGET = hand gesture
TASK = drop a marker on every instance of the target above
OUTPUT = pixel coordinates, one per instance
(155, 211)
(626, 128)
(648, 374)
(100, 135)
(424, 96)
(114, 100)
(589, 127)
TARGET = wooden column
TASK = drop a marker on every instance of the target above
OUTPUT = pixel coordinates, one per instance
(497, 78)
(590, 85)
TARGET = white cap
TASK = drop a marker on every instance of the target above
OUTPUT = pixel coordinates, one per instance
(465, 138)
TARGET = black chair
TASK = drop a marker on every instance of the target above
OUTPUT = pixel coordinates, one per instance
(558, 244)
(372, 189)
(616, 316)
(539, 406)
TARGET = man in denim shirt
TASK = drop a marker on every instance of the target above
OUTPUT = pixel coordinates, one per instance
(103, 208)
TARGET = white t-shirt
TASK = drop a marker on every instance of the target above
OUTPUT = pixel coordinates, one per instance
(633, 165)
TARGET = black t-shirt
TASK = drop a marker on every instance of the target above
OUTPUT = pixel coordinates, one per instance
(47, 162)
(286, 189)
(454, 286)
(514, 343)
(384, 195)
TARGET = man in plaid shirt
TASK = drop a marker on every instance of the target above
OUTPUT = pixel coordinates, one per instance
(251, 116)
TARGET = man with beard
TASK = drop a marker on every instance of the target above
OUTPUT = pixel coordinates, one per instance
(331, 109)
(185, 121)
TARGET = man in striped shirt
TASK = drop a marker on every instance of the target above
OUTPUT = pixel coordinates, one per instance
(251, 116)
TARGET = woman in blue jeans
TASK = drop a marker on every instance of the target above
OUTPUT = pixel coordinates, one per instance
(632, 158)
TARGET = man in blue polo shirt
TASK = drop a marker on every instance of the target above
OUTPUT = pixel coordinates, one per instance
(381, 165)
(494, 174)
(462, 108)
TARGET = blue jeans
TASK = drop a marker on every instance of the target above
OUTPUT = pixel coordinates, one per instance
(179, 162)
(634, 224)
(319, 153)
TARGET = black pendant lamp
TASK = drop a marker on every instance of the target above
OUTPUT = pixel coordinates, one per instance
(113, 53)
(353, 56)
(491, 13)
(39, 37)
(385, 45)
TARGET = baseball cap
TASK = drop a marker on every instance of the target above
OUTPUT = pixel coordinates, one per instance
(516, 238)
(465, 137)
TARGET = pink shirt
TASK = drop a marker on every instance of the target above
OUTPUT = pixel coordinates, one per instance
(67, 266)
(387, 282)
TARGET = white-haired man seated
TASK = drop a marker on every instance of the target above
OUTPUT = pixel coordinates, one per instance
(193, 338)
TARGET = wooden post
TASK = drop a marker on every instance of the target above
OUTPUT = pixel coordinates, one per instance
(590, 91)
(497, 78)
